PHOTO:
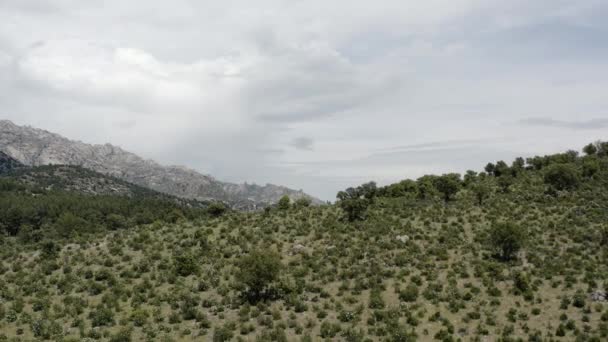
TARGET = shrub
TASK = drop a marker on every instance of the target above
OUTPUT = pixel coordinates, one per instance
(303, 202)
(116, 221)
(224, 333)
(410, 294)
(185, 264)
(578, 300)
(506, 239)
(448, 185)
(124, 335)
(139, 317)
(562, 177)
(375, 299)
(101, 316)
(216, 209)
(284, 203)
(329, 330)
(257, 272)
(354, 208)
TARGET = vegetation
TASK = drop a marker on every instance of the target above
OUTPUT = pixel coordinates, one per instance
(257, 273)
(516, 252)
(506, 238)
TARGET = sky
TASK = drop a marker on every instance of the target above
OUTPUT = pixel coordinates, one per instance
(313, 95)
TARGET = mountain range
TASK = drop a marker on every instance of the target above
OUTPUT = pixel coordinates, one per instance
(35, 147)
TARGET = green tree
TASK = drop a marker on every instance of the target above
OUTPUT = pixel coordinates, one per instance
(505, 181)
(562, 177)
(506, 239)
(501, 169)
(216, 209)
(284, 203)
(591, 167)
(68, 224)
(101, 316)
(354, 208)
(400, 189)
(490, 168)
(426, 186)
(303, 202)
(185, 264)
(368, 190)
(469, 177)
(116, 221)
(350, 193)
(448, 185)
(50, 250)
(482, 189)
(257, 272)
(590, 149)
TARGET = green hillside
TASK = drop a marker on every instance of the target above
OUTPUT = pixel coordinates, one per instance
(517, 252)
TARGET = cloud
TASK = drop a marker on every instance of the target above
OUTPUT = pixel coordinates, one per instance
(598, 123)
(437, 145)
(304, 93)
(302, 143)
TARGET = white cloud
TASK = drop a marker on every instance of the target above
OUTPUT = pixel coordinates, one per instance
(243, 91)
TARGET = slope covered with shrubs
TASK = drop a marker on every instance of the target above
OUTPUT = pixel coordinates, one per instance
(516, 252)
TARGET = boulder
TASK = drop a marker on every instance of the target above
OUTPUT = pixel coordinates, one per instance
(297, 249)
(599, 296)
(402, 238)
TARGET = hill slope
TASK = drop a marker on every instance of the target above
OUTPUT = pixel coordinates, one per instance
(416, 265)
(36, 147)
(79, 180)
(8, 163)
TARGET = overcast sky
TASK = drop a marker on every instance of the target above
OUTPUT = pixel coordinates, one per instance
(310, 94)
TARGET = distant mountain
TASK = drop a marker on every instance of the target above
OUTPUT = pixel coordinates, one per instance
(35, 147)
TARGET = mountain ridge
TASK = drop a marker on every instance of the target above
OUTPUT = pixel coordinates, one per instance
(35, 147)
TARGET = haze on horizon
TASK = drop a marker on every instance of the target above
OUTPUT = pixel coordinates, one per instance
(312, 94)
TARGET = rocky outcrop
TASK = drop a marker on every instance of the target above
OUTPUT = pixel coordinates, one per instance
(34, 147)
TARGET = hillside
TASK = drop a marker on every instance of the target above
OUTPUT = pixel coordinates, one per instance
(79, 180)
(515, 253)
(7, 163)
(35, 147)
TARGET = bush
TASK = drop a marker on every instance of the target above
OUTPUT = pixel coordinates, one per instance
(68, 224)
(410, 294)
(225, 333)
(354, 208)
(375, 299)
(562, 177)
(448, 185)
(216, 209)
(578, 300)
(284, 203)
(124, 335)
(506, 239)
(185, 264)
(257, 272)
(101, 316)
(303, 202)
(329, 330)
(116, 221)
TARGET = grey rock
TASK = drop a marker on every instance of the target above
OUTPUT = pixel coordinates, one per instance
(297, 249)
(35, 147)
(402, 238)
(599, 296)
